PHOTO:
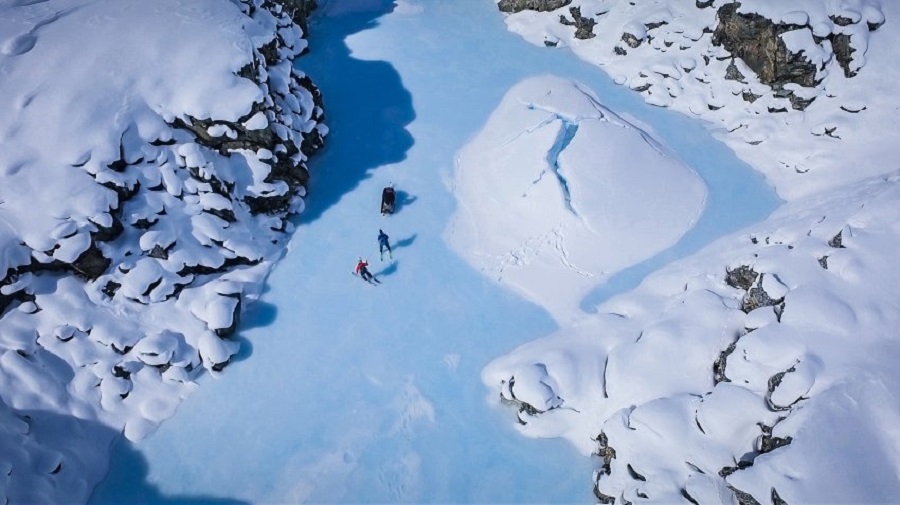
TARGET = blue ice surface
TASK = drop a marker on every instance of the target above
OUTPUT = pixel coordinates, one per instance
(353, 393)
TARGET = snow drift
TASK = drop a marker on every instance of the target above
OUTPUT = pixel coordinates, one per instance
(557, 193)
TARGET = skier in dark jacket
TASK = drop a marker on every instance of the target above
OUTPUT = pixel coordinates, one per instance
(363, 271)
(383, 243)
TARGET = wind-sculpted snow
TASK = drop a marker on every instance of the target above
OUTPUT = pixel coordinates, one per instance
(800, 90)
(558, 193)
(150, 155)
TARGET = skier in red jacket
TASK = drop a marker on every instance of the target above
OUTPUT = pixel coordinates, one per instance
(363, 271)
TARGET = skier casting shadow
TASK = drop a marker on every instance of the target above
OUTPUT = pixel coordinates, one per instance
(384, 243)
(362, 270)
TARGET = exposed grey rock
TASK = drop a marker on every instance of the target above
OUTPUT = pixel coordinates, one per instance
(733, 74)
(757, 41)
(606, 454)
(841, 20)
(91, 263)
(728, 470)
(603, 498)
(743, 498)
(642, 87)
(531, 5)
(634, 474)
(843, 52)
(159, 252)
(766, 442)
(584, 27)
(774, 382)
(837, 241)
(749, 97)
(757, 297)
(777, 500)
(720, 364)
(741, 277)
(631, 40)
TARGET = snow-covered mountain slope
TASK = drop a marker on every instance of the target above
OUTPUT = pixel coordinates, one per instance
(761, 369)
(803, 91)
(150, 154)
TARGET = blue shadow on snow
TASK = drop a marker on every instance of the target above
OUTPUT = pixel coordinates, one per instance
(405, 242)
(366, 105)
(127, 482)
(388, 270)
(403, 199)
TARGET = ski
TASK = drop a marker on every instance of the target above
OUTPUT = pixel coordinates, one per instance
(375, 283)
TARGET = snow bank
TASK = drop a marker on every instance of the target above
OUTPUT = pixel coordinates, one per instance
(132, 221)
(557, 193)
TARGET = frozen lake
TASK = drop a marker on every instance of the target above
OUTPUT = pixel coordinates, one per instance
(359, 394)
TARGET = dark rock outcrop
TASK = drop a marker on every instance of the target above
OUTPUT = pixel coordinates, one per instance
(531, 5)
(298, 10)
(757, 297)
(584, 27)
(741, 277)
(757, 41)
(606, 453)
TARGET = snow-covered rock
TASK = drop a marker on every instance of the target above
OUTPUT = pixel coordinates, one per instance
(801, 91)
(808, 376)
(134, 222)
(760, 369)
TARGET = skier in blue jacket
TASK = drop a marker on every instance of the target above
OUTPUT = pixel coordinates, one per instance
(383, 244)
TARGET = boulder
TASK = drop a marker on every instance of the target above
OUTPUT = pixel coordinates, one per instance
(757, 41)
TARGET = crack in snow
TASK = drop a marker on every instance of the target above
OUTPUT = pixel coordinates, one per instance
(568, 129)
(563, 139)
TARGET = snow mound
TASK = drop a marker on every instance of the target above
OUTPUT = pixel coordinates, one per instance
(595, 193)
